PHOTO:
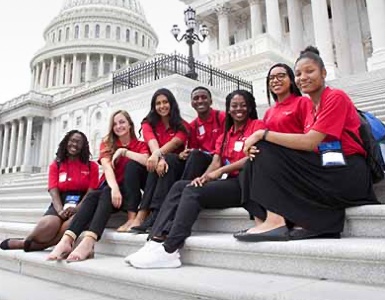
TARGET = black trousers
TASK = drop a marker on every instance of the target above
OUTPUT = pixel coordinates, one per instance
(97, 206)
(157, 187)
(183, 204)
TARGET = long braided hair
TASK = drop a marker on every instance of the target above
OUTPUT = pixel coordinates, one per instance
(62, 153)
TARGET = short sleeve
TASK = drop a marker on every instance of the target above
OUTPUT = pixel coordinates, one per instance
(94, 175)
(53, 175)
(148, 133)
(218, 144)
(183, 135)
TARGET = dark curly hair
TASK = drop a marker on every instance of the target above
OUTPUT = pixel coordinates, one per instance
(175, 121)
(312, 53)
(251, 108)
(293, 87)
(62, 153)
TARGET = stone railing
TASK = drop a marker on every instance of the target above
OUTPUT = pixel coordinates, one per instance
(249, 48)
(32, 96)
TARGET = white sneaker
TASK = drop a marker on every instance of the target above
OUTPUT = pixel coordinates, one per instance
(147, 247)
(157, 258)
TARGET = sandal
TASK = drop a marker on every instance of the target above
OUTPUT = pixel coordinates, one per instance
(74, 257)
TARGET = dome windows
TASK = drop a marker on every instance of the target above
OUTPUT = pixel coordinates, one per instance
(97, 31)
(87, 31)
(76, 31)
(108, 32)
(67, 33)
(127, 35)
(118, 33)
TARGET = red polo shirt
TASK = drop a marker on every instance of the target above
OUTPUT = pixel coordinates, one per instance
(204, 133)
(134, 146)
(163, 135)
(234, 141)
(73, 175)
(289, 115)
(335, 116)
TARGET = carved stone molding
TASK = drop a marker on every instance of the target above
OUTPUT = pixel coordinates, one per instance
(222, 9)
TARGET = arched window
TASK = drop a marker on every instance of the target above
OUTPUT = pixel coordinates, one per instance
(87, 31)
(67, 33)
(117, 33)
(142, 40)
(59, 36)
(127, 35)
(97, 31)
(108, 32)
(136, 37)
(76, 31)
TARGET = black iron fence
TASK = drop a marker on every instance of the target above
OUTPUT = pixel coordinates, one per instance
(167, 65)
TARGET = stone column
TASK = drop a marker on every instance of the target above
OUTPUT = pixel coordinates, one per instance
(20, 139)
(322, 34)
(127, 61)
(1, 142)
(43, 76)
(27, 146)
(114, 63)
(44, 142)
(61, 75)
(255, 17)
(33, 76)
(296, 25)
(4, 156)
(51, 70)
(68, 72)
(274, 27)
(74, 70)
(12, 146)
(87, 77)
(101, 65)
(53, 135)
(37, 73)
(223, 24)
(376, 13)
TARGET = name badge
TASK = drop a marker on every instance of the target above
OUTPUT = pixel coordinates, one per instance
(225, 175)
(62, 177)
(71, 201)
(201, 130)
(238, 146)
(331, 154)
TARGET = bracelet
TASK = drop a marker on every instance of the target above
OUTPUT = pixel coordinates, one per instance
(265, 135)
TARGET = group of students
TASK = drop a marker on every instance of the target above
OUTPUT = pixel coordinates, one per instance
(295, 171)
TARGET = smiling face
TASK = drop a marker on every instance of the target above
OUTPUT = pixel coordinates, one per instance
(279, 82)
(121, 126)
(75, 144)
(309, 77)
(201, 101)
(238, 109)
(162, 106)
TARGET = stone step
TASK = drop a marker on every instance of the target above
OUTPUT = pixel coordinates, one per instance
(23, 190)
(350, 259)
(26, 183)
(21, 287)
(110, 276)
(364, 221)
(40, 200)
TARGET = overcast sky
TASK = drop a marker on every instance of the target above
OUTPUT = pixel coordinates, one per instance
(21, 31)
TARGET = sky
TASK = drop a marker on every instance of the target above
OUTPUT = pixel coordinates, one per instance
(21, 31)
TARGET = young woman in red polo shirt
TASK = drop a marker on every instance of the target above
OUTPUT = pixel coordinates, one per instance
(165, 132)
(308, 179)
(120, 152)
(71, 175)
(187, 198)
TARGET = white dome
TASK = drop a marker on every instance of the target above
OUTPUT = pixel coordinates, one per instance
(131, 5)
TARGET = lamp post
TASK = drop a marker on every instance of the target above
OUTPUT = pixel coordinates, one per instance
(191, 37)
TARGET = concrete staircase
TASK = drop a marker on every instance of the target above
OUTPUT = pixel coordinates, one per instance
(215, 265)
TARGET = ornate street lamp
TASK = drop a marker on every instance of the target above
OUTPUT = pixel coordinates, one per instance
(191, 37)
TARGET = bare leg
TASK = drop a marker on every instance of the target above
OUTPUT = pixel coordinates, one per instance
(272, 221)
(131, 216)
(63, 248)
(85, 249)
(142, 214)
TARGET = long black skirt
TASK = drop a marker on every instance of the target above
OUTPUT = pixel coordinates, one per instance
(294, 185)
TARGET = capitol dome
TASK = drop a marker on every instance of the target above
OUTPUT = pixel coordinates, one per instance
(90, 39)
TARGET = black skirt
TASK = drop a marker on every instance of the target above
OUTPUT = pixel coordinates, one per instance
(294, 185)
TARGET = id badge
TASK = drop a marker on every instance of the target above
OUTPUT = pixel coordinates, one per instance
(331, 154)
(201, 130)
(238, 146)
(71, 201)
(62, 177)
(225, 175)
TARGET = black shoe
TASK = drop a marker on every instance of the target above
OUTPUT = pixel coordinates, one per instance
(303, 234)
(277, 234)
(145, 227)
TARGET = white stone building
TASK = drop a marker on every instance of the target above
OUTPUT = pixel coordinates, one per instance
(71, 82)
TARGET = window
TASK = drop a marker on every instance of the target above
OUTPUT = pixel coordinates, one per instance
(87, 31)
(59, 36)
(64, 73)
(117, 33)
(136, 37)
(107, 68)
(95, 69)
(108, 32)
(70, 79)
(286, 24)
(148, 43)
(83, 72)
(78, 121)
(142, 40)
(65, 124)
(232, 40)
(53, 37)
(67, 33)
(330, 15)
(127, 35)
(97, 31)
(54, 75)
(76, 31)
(98, 116)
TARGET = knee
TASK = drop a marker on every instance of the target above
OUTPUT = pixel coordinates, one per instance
(132, 166)
(179, 186)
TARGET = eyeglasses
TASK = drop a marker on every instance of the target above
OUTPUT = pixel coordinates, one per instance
(203, 97)
(278, 76)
